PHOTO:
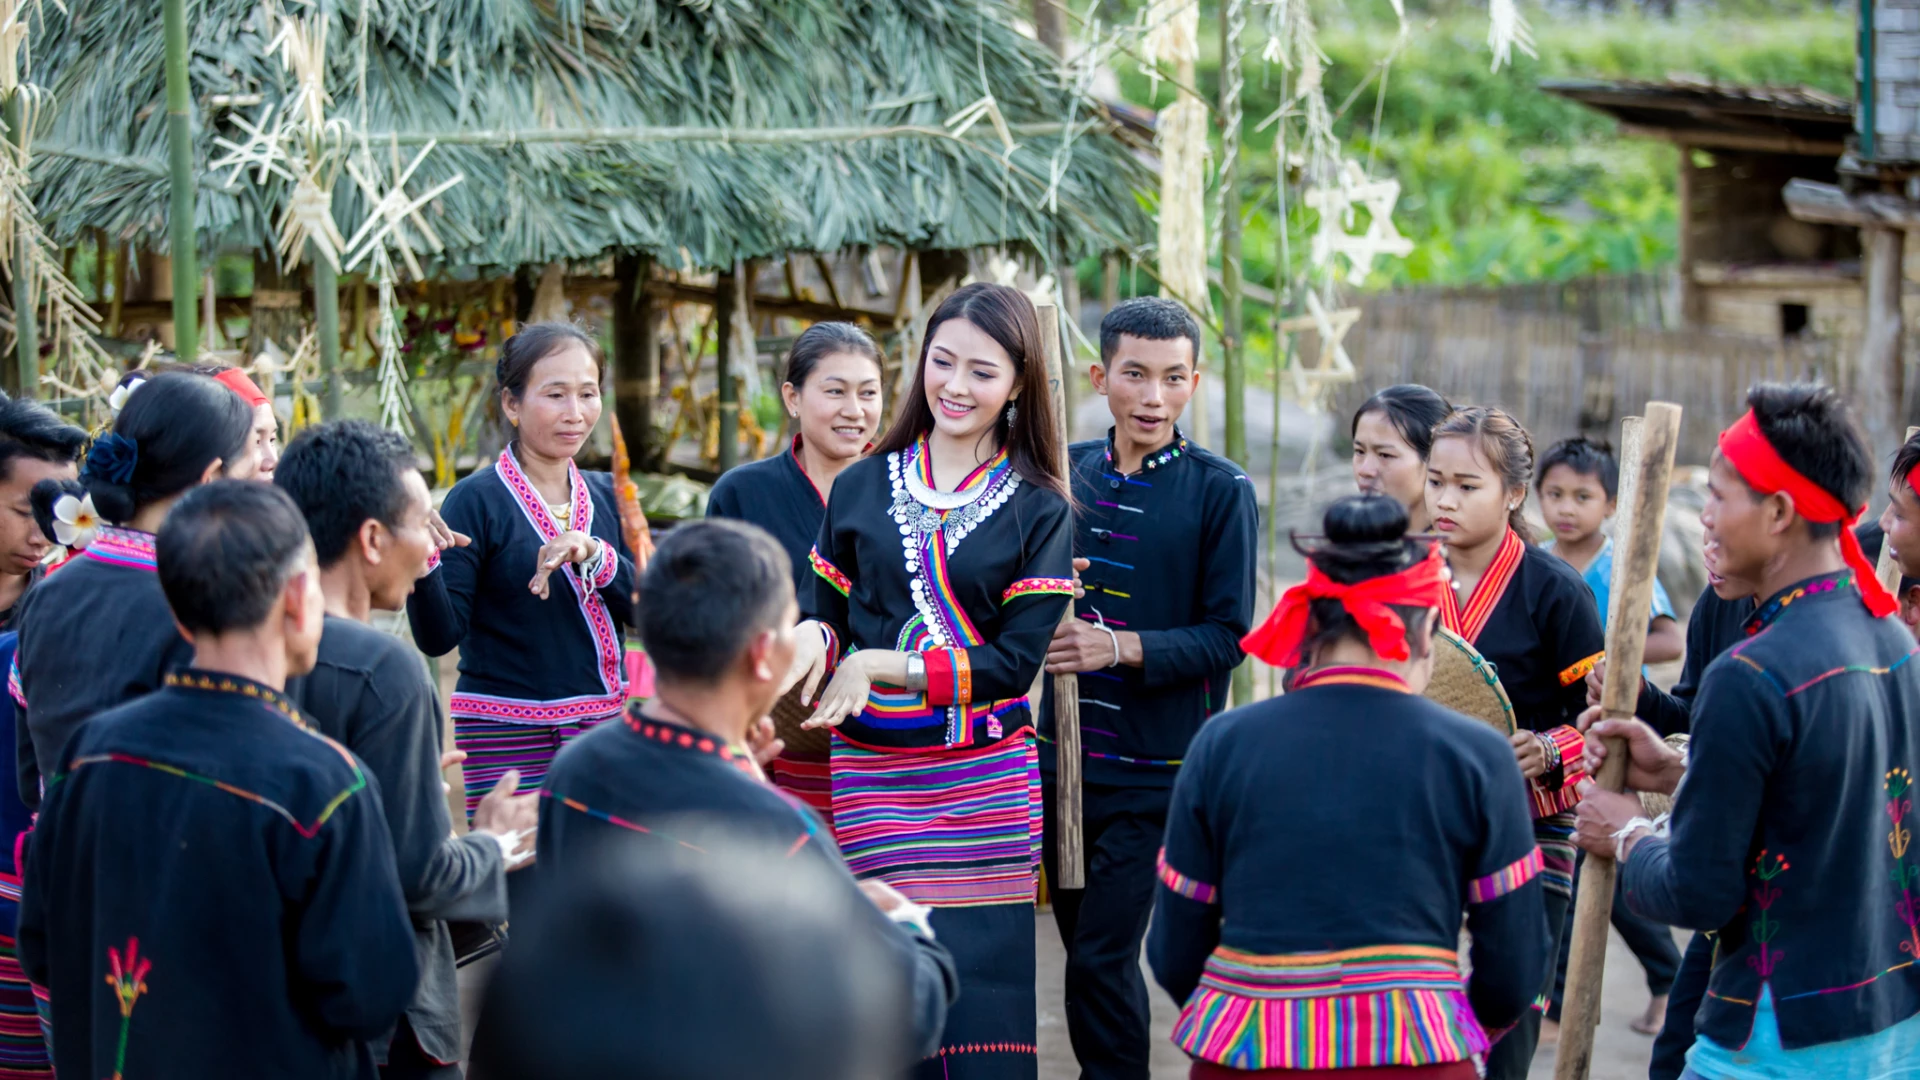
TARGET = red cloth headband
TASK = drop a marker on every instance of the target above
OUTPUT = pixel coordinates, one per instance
(238, 382)
(1277, 641)
(1746, 448)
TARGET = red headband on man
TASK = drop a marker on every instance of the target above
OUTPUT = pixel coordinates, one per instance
(236, 380)
(1277, 641)
(1746, 448)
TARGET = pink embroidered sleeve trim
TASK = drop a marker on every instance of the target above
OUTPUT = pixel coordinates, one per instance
(1188, 887)
(1505, 880)
(825, 569)
(14, 686)
(433, 560)
(606, 565)
(1038, 586)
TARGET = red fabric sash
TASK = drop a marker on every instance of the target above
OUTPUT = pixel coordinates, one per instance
(1486, 592)
(1746, 448)
(237, 381)
(1277, 641)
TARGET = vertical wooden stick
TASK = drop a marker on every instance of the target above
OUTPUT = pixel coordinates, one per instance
(1070, 854)
(1648, 468)
(1886, 569)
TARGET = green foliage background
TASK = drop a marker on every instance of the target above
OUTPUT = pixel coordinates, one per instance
(1502, 182)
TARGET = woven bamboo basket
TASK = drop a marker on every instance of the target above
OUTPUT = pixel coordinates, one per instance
(1467, 683)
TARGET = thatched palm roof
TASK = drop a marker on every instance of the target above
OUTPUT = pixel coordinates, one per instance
(783, 69)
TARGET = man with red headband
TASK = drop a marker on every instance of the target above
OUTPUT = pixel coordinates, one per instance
(1790, 839)
(1900, 522)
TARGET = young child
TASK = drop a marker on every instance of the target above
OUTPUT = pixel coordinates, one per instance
(1579, 481)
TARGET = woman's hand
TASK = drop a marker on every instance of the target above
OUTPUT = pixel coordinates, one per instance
(1652, 765)
(1529, 753)
(809, 660)
(443, 535)
(1079, 590)
(845, 696)
(568, 547)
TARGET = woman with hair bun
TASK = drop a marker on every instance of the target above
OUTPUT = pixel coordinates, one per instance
(1274, 976)
(100, 632)
(539, 600)
(832, 392)
(1534, 620)
(1392, 433)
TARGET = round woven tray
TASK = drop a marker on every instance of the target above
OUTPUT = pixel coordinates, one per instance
(1652, 803)
(1465, 682)
(788, 714)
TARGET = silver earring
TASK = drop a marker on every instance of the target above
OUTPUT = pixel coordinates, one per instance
(1013, 410)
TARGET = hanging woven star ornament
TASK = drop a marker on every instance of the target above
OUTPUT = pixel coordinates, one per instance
(308, 217)
(1336, 205)
(1332, 368)
(391, 209)
(263, 149)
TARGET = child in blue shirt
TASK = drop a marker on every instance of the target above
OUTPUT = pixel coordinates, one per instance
(1579, 481)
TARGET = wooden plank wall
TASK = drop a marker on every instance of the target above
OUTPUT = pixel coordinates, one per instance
(1576, 364)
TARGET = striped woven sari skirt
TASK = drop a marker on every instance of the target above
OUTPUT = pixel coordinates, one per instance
(807, 775)
(23, 1046)
(492, 748)
(958, 831)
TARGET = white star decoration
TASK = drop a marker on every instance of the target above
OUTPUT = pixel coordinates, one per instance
(391, 209)
(261, 151)
(1336, 205)
(1333, 367)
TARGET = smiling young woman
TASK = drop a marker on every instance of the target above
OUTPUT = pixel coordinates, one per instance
(1534, 619)
(942, 568)
(538, 601)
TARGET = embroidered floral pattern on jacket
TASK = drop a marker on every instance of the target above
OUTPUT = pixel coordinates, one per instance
(1766, 867)
(1906, 876)
(128, 977)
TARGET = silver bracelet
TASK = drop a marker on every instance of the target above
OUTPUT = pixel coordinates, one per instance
(916, 673)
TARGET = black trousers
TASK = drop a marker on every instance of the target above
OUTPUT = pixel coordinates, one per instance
(406, 1061)
(1689, 990)
(1512, 1056)
(1102, 925)
(1652, 945)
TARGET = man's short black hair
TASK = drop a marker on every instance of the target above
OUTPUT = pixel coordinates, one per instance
(343, 474)
(1588, 457)
(29, 429)
(226, 551)
(1904, 461)
(1814, 431)
(1150, 318)
(709, 588)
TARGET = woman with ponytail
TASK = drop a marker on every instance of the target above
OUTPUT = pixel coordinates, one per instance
(941, 571)
(1534, 619)
(1264, 830)
(100, 632)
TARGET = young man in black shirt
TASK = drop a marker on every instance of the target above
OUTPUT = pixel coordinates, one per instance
(210, 890)
(1168, 532)
(367, 509)
(1802, 733)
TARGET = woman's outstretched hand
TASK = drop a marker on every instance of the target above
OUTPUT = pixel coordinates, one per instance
(809, 660)
(846, 695)
(568, 547)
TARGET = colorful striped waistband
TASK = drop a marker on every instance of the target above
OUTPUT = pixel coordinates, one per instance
(1325, 974)
(506, 710)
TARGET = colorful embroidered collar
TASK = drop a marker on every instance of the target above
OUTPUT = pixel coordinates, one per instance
(217, 682)
(982, 475)
(1153, 461)
(116, 546)
(1813, 586)
(1470, 620)
(1351, 676)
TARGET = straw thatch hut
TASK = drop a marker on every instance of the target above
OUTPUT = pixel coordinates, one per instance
(680, 138)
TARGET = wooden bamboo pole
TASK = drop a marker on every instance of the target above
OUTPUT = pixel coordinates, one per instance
(26, 306)
(1647, 468)
(1070, 843)
(186, 277)
(326, 317)
(1886, 569)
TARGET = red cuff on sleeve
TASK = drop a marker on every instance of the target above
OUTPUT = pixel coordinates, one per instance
(1573, 750)
(949, 676)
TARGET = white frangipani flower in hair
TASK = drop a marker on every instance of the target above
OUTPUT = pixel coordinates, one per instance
(75, 522)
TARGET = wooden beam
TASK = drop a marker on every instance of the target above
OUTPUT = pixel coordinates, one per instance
(1782, 143)
(1828, 204)
(1070, 842)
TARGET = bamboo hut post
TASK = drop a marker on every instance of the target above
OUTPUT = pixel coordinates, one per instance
(326, 314)
(1647, 460)
(1232, 328)
(1070, 853)
(186, 277)
(26, 323)
(729, 395)
(122, 256)
(636, 362)
(1877, 379)
(1886, 569)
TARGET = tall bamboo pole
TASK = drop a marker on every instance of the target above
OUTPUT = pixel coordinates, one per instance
(1233, 23)
(1070, 839)
(186, 277)
(326, 312)
(725, 293)
(26, 323)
